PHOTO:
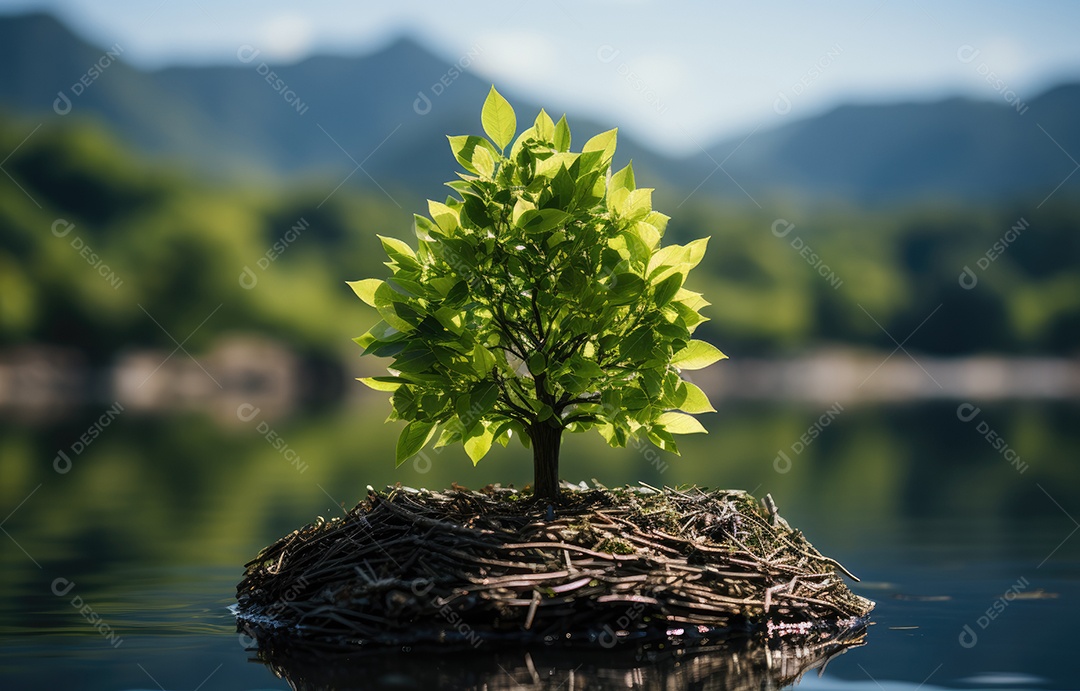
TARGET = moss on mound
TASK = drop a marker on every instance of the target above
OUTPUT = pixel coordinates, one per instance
(605, 566)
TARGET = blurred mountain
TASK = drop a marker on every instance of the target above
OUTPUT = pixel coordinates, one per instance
(324, 115)
(383, 117)
(954, 149)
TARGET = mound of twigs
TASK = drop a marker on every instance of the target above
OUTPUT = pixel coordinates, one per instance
(414, 567)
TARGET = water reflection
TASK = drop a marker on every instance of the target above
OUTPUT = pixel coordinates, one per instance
(737, 663)
(156, 515)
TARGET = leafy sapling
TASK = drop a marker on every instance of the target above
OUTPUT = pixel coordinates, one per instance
(538, 301)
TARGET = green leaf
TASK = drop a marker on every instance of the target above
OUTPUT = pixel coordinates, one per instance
(665, 261)
(464, 148)
(550, 166)
(680, 423)
(622, 180)
(604, 143)
(520, 207)
(586, 368)
(625, 288)
(365, 289)
(667, 289)
(638, 345)
(482, 360)
(483, 397)
(380, 383)
(413, 438)
(562, 135)
(638, 204)
(696, 251)
(483, 161)
(647, 233)
(696, 401)
(562, 187)
(697, 355)
(537, 363)
(415, 361)
(381, 333)
(545, 128)
(399, 252)
(478, 446)
(498, 119)
(541, 220)
(444, 216)
(385, 298)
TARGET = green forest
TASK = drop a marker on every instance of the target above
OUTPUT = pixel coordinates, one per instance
(97, 244)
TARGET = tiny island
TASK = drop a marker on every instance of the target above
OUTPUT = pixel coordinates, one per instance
(540, 300)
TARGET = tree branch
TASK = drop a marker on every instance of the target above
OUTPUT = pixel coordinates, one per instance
(583, 398)
(523, 412)
(583, 417)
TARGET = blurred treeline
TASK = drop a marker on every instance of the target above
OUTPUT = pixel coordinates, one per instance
(175, 246)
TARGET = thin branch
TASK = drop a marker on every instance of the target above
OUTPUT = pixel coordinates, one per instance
(501, 383)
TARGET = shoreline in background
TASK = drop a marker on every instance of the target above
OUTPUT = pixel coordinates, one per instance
(45, 383)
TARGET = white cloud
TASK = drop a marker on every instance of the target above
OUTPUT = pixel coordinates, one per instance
(519, 57)
(286, 36)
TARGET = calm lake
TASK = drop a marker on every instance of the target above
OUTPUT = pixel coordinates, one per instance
(123, 537)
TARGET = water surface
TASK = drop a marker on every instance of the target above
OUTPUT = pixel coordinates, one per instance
(971, 552)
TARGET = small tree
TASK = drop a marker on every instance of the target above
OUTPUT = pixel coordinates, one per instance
(538, 301)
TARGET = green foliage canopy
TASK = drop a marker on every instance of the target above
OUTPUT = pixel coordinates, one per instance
(539, 295)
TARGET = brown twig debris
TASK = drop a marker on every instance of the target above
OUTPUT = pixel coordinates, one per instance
(411, 566)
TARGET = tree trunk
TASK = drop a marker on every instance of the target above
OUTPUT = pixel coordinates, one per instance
(546, 439)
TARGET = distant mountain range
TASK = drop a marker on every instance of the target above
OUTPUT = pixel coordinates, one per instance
(383, 116)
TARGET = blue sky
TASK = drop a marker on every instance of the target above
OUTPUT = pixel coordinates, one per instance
(674, 74)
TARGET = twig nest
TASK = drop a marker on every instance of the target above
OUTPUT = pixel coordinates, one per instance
(604, 567)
